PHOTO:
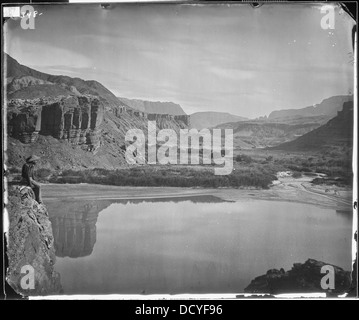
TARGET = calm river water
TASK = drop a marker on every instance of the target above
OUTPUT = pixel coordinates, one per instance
(189, 245)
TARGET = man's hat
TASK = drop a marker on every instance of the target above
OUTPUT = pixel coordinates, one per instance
(32, 158)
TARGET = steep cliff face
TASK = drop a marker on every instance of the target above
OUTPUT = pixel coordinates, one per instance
(30, 245)
(78, 135)
(23, 121)
(75, 119)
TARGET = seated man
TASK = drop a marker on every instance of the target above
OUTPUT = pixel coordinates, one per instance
(28, 176)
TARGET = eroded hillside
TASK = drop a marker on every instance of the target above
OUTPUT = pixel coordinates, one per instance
(71, 123)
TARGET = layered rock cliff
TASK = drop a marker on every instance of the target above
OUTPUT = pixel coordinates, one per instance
(75, 119)
(71, 123)
(30, 246)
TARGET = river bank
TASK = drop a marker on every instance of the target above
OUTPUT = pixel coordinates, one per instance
(285, 189)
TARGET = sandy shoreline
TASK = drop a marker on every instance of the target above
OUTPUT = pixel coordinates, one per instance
(286, 189)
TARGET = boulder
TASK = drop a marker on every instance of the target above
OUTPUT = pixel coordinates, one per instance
(302, 278)
(30, 245)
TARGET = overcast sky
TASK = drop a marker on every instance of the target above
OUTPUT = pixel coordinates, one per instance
(229, 58)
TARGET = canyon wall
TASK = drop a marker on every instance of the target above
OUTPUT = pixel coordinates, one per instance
(75, 119)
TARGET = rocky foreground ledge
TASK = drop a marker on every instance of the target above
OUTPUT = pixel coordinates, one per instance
(302, 278)
(30, 248)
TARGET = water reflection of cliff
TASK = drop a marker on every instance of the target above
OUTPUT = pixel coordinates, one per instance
(74, 222)
(74, 228)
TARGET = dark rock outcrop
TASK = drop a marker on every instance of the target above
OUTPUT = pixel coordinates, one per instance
(24, 123)
(30, 243)
(302, 278)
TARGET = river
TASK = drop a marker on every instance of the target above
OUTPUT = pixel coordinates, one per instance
(191, 244)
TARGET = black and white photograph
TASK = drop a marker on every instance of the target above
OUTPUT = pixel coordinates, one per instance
(179, 150)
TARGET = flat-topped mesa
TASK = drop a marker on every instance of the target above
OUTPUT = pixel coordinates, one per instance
(71, 118)
(181, 119)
